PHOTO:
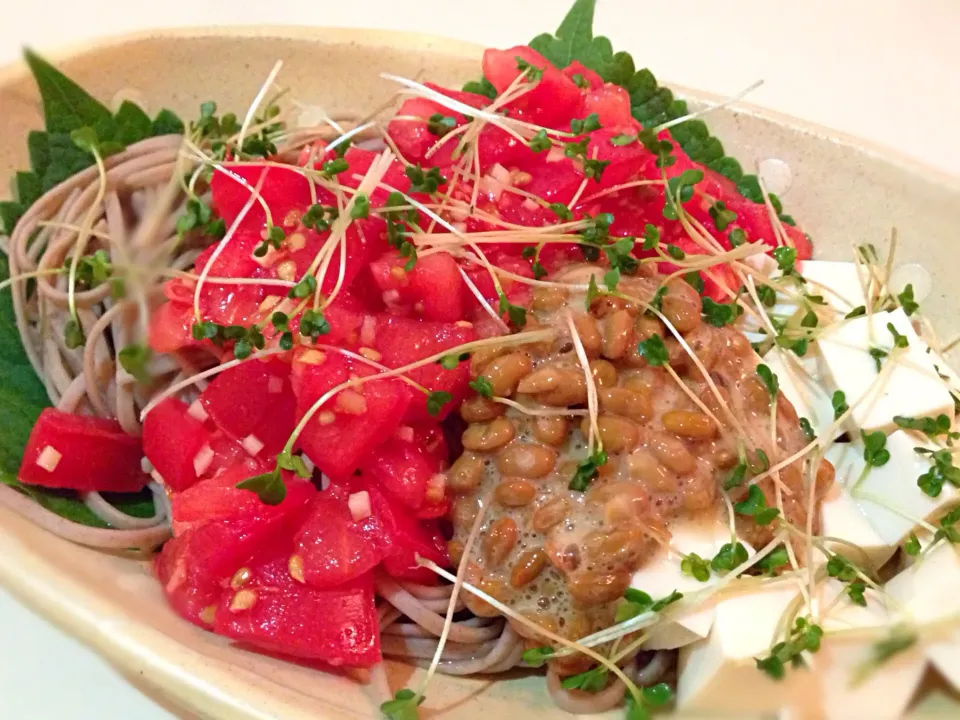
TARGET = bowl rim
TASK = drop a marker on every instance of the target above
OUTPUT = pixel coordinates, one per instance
(81, 613)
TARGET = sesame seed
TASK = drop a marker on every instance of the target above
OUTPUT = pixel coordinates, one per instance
(243, 600)
(240, 578)
(296, 568)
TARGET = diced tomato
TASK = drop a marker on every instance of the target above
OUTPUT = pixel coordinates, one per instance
(285, 191)
(194, 567)
(467, 98)
(230, 304)
(555, 181)
(253, 399)
(218, 498)
(402, 469)
(170, 325)
(402, 341)
(433, 288)
(361, 420)
(754, 218)
(179, 291)
(346, 316)
(521, 210)
(611, 103)
(83, 453)
(518, 293)
(359, 161)
(551, 103)
(625, 161)
(171, 440)
(429, 437)
(335, 547)
(497, 146)
(720, 273)
(433, 509)
(338, 627)
(410, 130)
(410, 538)
(437, 282)
(363, 241)
(578, 68)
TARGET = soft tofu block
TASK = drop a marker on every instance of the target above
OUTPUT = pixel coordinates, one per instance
(945, 657)
(886, 692)
(801, 385)
(841, 284)
(927, 591)
(888, 496)
(718, 674)
(912, 388)
(843, 519)
(838, 283)
(662, 575)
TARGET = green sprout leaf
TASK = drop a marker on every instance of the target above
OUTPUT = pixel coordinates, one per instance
(403, 706)
(536, 657)
(482, 387)
(696, 567)
(907, 301)
(729, 556)
(775, 560)
(517, 314)
(361, 207)
(593, 680)
(931, 427)
(786, 258)
(436, 400)
(269, 487)
(769, 379)
(839, 402)
(654, 351)
(875, 452)
(899, 341)
(720, 314)
(439, 124)
(134, 359)
(587, 470)
(540, 142)
(755, 506)
(588, 124)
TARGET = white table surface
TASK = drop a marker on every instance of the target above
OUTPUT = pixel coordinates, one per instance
(885, 70)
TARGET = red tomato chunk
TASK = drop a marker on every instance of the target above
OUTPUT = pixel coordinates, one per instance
(82, 453)
(271, 610)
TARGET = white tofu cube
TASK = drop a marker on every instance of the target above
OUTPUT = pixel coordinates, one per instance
(719, 674)
(945, 657)
(842, 518)
(841, 284)
(928, 590)
(885, 692)
(802, 386)
(838, 283)
(662, 575)
(888, 496)
(912, 388)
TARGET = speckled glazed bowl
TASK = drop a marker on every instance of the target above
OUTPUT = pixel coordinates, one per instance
(842, 192)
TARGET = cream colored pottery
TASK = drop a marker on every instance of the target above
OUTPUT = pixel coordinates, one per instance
(842, 193)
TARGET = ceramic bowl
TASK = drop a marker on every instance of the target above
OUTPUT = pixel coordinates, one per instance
(842, 192)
